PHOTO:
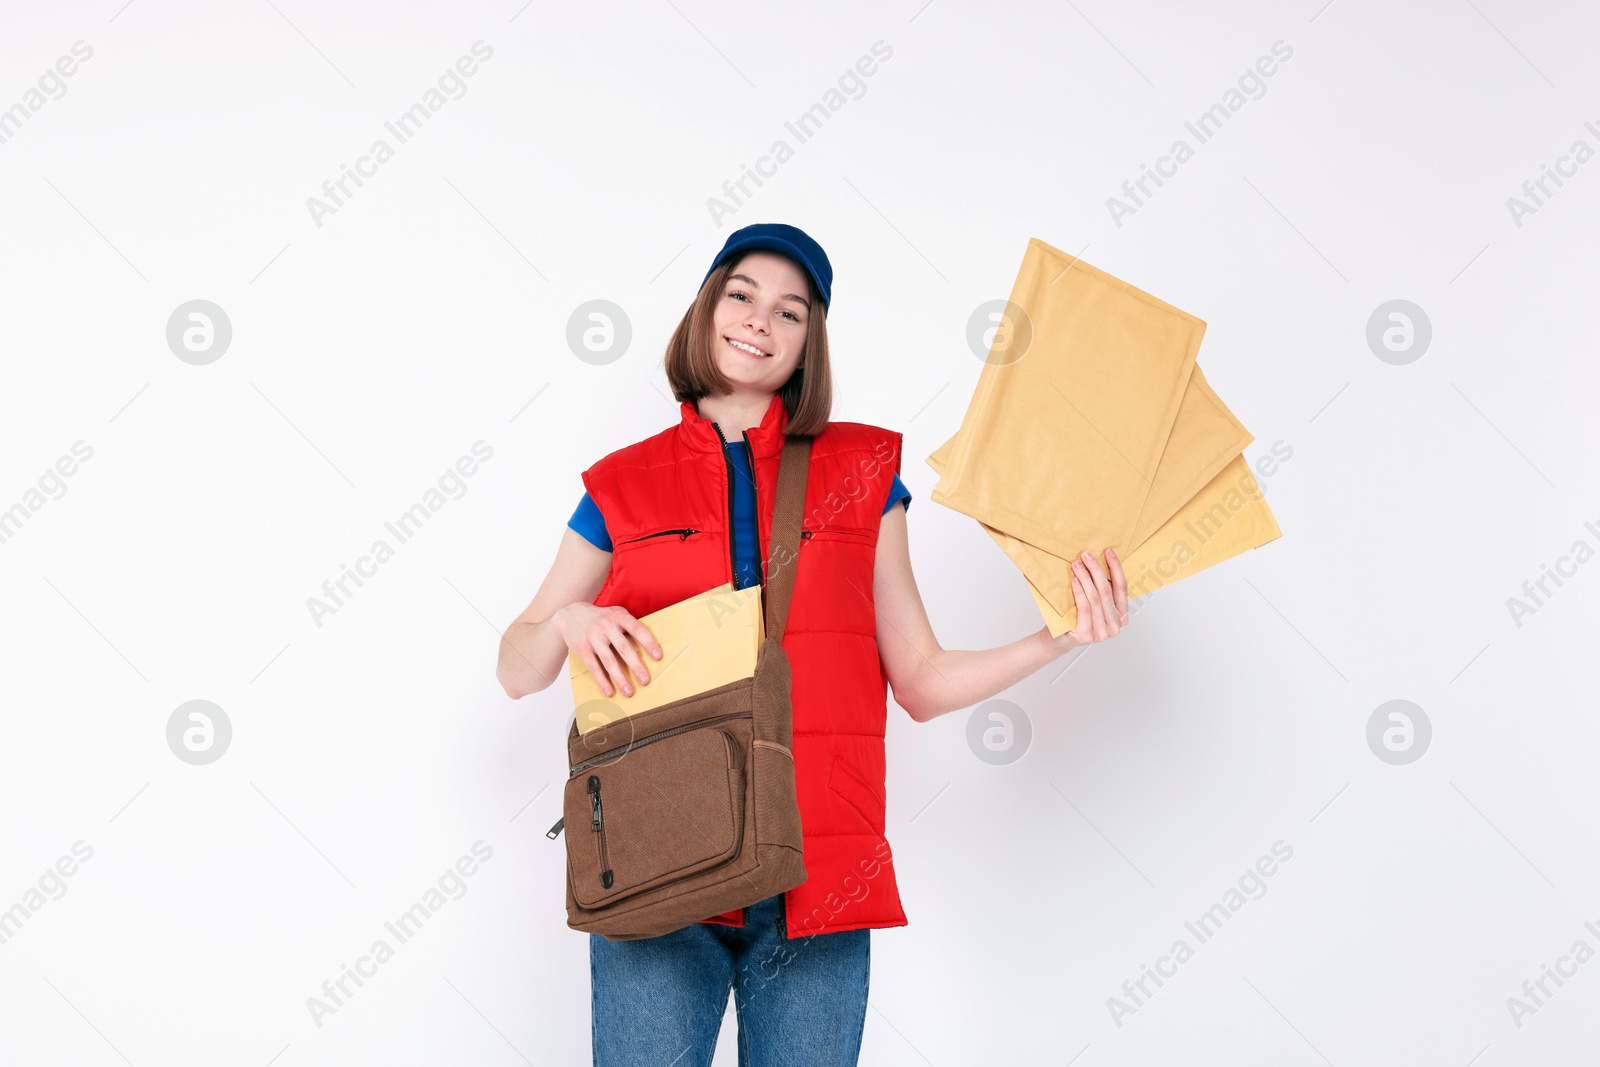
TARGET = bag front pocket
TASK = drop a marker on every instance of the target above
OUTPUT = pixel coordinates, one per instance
(666, 807)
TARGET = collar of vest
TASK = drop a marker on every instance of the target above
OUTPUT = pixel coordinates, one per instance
(765, 440)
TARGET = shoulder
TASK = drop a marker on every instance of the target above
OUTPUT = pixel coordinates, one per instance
(861, 443)
(651, 452)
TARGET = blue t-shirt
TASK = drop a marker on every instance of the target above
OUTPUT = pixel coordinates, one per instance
(588, 521)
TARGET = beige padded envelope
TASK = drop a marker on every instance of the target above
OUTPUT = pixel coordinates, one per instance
(1198, 505)
(707, 640)
(1060, 445)
(1225, 519)
(1205, 437)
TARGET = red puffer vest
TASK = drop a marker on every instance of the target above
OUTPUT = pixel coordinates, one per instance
(667, 503)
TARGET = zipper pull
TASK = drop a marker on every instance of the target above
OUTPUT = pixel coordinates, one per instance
(555, 831)
(596, 816)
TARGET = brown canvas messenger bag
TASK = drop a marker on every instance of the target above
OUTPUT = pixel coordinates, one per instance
(688, 810)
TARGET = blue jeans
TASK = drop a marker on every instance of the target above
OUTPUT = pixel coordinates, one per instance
(659, 1001)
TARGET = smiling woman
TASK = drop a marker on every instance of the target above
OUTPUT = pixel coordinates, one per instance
(696, 506)
(764, 301)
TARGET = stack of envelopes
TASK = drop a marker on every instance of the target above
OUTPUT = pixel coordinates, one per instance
(1092, 428)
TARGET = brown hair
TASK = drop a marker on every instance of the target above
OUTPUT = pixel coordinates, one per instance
(692, 364)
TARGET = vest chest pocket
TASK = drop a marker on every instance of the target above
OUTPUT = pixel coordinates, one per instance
(655, 565)
(675, 535)
(829, 534)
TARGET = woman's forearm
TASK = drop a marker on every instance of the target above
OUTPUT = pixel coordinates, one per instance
(950, 679)
(531, 654)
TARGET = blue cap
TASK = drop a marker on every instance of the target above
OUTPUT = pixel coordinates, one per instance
(791, 241)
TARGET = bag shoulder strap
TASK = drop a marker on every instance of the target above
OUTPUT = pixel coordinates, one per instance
(787, 514)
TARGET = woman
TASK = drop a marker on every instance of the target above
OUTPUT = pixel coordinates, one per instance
(691, 508)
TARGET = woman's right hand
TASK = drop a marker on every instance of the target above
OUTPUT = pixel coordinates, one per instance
(597, 636)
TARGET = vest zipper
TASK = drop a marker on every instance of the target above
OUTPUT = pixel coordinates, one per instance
(682, 535)
(733, 563)
(662, 736)
(761, 557)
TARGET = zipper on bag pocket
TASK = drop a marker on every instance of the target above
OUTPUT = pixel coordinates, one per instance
(652, 738)
(598, 825)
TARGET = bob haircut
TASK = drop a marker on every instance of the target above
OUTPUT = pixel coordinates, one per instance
(692, 365)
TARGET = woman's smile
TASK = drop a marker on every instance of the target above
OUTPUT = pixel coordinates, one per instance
(746, 347)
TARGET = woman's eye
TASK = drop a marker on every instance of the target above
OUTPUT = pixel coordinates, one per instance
(743, 298)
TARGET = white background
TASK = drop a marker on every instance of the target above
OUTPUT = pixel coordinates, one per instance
(430, 311)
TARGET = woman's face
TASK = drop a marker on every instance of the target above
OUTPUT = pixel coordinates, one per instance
(766, 303)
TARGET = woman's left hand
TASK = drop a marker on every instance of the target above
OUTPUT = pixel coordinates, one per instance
(1102, 602)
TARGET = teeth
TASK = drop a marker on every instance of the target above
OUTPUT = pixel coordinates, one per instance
(745, 347)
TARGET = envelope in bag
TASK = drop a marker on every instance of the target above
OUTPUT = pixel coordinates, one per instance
(707, 640)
